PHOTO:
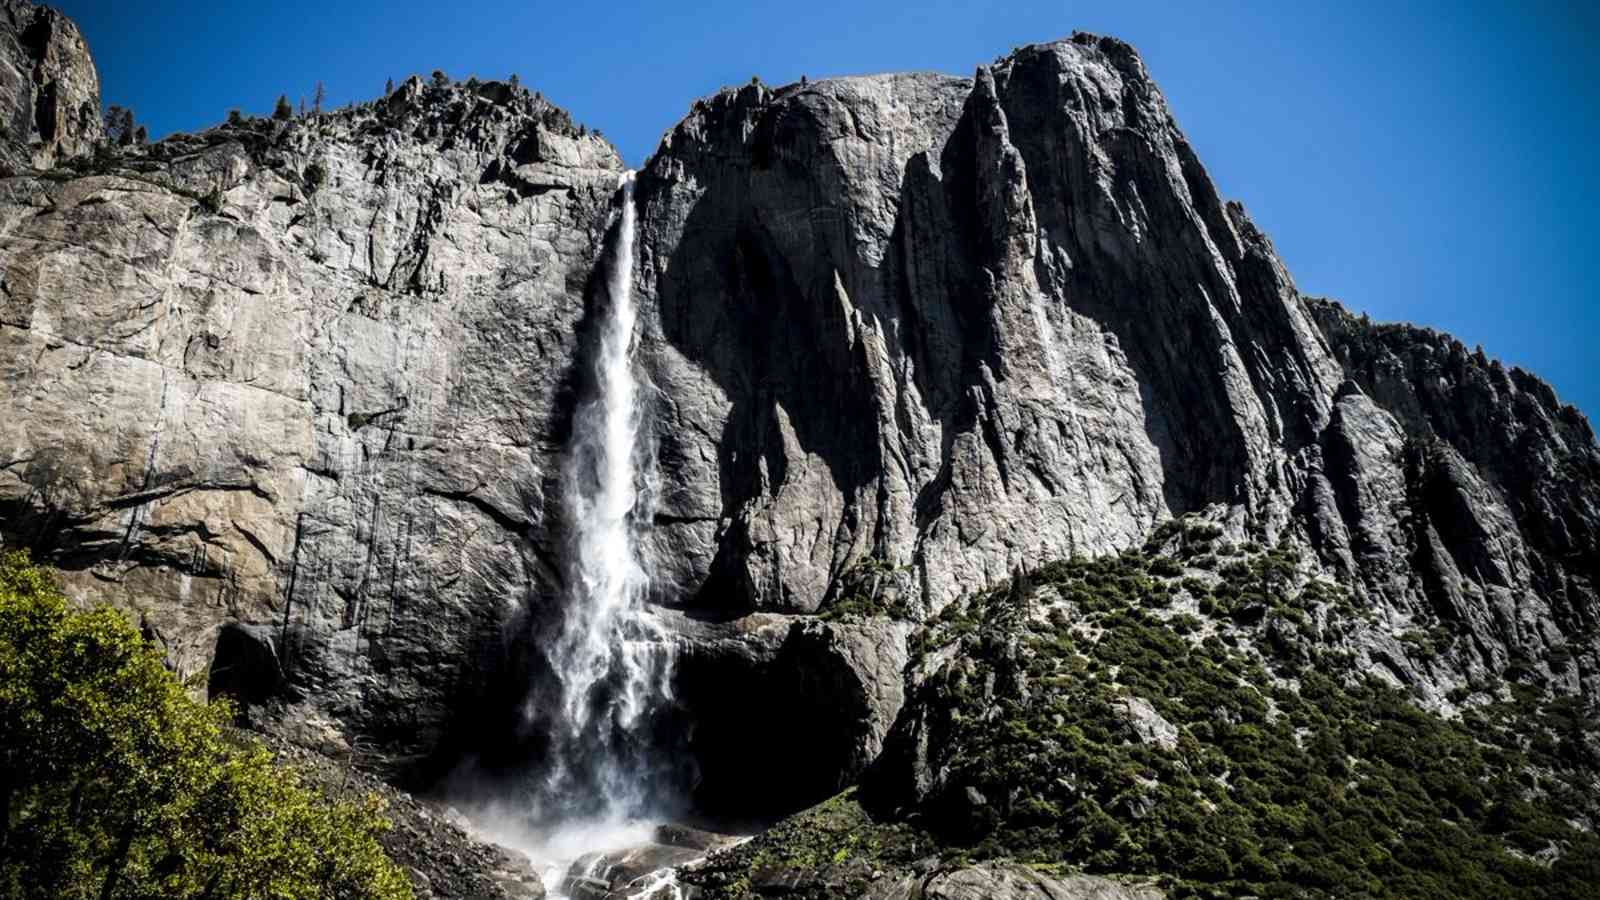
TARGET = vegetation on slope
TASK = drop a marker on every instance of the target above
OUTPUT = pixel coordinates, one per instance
(115, 783)
(1188, 716)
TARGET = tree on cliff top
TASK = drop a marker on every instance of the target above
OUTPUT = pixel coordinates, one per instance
(120, 127)
(115, 783)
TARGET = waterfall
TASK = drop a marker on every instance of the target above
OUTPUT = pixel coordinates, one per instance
(609, 654)
(600, 708)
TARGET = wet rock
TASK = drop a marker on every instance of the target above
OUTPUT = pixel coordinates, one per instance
(674, 835)
(624, 872)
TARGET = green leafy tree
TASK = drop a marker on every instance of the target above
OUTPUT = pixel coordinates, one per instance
(283, 110)
(115, 783)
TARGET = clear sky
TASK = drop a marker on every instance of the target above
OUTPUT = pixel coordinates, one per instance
(1421, 161)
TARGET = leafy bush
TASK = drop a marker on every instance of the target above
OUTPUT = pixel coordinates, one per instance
(115, 783)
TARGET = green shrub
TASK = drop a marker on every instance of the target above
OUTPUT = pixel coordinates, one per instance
(1339, 787)
(115, 783)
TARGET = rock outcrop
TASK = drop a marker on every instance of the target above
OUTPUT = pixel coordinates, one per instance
(786, 709)
(296, 392)
(1013, 882)
(959, 324)
(49, 88)
(1465, 488)
(308, 377)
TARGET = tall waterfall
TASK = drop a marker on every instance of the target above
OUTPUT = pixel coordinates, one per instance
(607, 750)
(611, 658)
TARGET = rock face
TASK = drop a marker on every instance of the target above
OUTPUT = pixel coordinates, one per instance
(308, 377)
(968, 325)
(49, 89)
(786, 709)
(1466, 489)
(1013, 882)
(964, 325)
(297, 392)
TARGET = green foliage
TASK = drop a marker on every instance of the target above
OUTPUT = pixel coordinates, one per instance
(867, 589)
(1312, 787)
(115, 783)
(283, 111)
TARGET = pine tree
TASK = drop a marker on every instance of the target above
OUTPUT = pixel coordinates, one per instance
(283, 111)
(388, 87)
(317, 98)
(114, 123)
(125, 127)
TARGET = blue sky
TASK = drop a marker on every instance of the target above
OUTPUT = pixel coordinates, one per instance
(1426, 162)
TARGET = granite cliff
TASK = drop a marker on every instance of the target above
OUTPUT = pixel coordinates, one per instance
(50, 88)
(294, 393)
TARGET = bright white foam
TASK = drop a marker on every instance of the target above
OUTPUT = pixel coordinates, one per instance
(554, 851)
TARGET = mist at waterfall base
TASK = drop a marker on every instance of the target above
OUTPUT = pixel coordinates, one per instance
(603, 745)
